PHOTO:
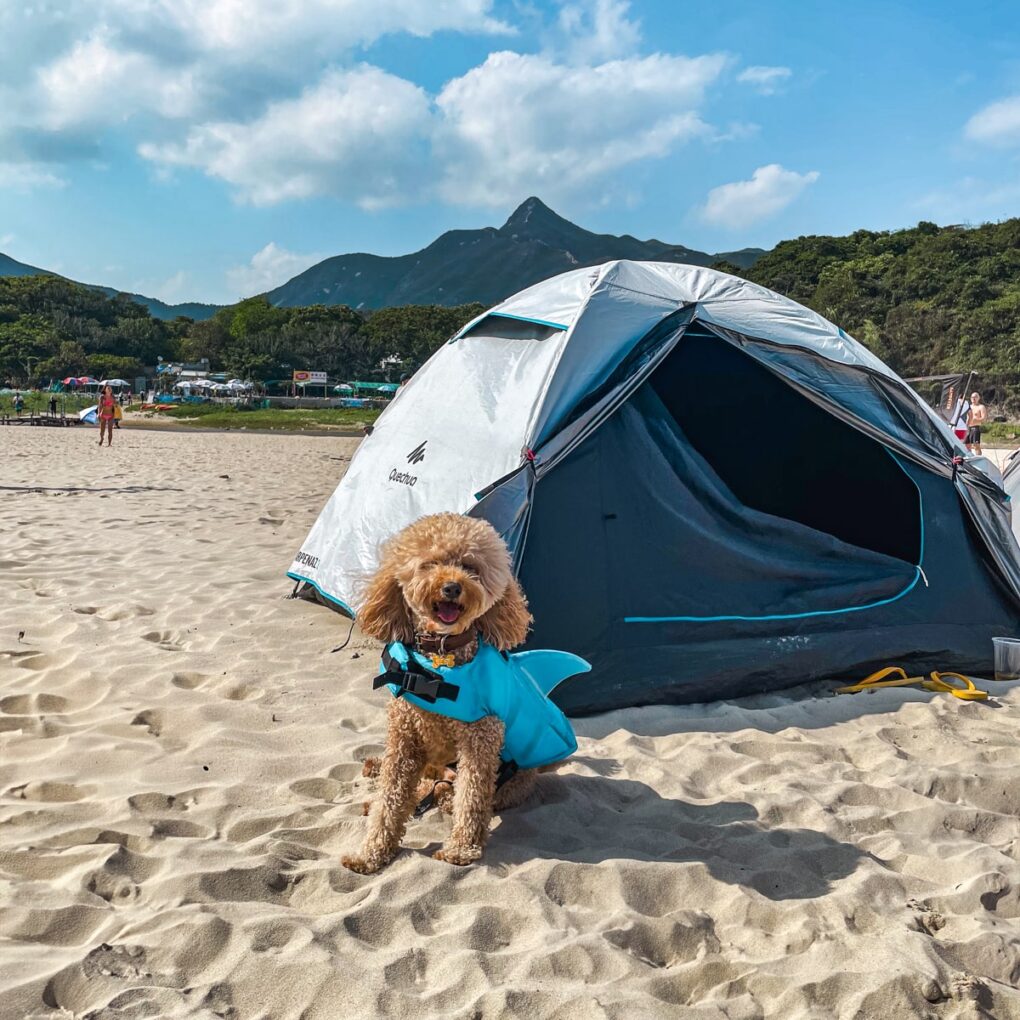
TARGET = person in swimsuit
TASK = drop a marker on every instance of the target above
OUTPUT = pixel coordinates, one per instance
(976, 417)
(106, 415)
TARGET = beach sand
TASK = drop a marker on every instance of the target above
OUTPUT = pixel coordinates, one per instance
(180, 770)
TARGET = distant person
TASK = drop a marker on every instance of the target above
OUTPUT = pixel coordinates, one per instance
(403, 380)
(976, 417)
(53, 406)
(19, 403)
(107, 414)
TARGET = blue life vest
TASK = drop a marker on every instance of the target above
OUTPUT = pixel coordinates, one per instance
(514, 687)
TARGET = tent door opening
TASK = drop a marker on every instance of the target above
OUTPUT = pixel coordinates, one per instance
(781, 454)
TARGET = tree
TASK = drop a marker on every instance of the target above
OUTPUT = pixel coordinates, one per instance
(70, 359)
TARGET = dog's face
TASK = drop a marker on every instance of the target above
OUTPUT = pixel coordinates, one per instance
(457, 576)
(445, 574)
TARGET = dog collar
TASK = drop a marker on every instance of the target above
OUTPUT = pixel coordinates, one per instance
(439, 646)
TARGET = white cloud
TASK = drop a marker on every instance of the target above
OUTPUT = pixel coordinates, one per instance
(26, 176)
(96, 82)
(598, 30)
(996, 124)
(522, 124)
(269, 25)
(515, 124)
(72, 70)
(766, 80)
(269, 268)
(358, 135)
(742, 203)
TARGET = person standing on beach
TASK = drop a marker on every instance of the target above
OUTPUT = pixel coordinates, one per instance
(19, 403)
(976, 417)
(106, 413)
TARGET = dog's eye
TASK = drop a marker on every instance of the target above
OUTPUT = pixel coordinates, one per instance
(470, 568)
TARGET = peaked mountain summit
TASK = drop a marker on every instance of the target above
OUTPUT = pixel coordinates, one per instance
(485, 265)
(459, 267)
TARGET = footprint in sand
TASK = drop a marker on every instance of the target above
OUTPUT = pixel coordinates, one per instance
(149, 803)
(275, 522)
(165, 639)
(34, 704)
(189, 681)
(178, 828)
(34, 660)
(85, 610)
(151, 720)
(50, 791)
(114, 613)
(242, 692)
(317, 788)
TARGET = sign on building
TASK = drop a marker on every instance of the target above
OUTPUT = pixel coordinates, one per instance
(310, 378)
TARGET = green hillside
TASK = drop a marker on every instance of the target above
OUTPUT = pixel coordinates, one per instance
(927, 300)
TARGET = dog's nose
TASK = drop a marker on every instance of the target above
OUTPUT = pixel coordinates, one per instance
(451, 590)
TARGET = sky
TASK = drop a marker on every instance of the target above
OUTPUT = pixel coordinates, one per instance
(207, 150)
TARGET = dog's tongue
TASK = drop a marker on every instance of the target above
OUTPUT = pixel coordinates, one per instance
(448, 611)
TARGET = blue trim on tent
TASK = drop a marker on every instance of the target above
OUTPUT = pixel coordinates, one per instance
(918, 573)
(527, 318)
(507, 315)
(777, 616)
(340, 602)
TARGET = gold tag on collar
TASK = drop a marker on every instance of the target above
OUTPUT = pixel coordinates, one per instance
(442, 660)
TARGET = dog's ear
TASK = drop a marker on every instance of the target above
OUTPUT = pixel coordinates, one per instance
(383, 613)
(506, 624)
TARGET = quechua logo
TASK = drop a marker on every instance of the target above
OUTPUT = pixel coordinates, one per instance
(416, 456)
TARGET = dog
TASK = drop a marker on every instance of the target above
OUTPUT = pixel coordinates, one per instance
(446, 588)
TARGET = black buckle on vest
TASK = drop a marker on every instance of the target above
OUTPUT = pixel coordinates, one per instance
(413, 678)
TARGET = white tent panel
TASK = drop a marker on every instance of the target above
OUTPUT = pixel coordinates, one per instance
(460, 424)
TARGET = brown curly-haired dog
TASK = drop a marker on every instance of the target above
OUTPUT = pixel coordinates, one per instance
(444, 575)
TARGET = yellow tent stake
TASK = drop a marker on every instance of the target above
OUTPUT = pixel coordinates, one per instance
(937, 682)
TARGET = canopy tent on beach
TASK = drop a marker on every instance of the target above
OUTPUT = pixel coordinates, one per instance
(708, 490)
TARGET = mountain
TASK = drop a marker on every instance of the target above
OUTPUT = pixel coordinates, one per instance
(484, 265)
(459, 267)
(158, 309)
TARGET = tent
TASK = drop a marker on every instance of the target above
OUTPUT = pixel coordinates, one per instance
(708, 490)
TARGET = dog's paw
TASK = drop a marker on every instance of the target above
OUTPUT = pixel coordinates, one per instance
(371, 768)
(366, 807)
(360, 864)
(459, 855)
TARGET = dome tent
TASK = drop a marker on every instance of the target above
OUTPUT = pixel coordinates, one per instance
(708, 490)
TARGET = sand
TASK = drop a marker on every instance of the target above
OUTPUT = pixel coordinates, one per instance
(180, 758)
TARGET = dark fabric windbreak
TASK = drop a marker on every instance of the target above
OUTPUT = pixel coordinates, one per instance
(888, 412)
(621, 543)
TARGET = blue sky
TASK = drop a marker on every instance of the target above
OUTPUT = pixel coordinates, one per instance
(210, 149)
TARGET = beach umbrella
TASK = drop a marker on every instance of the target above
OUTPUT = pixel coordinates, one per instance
(88, 415)
(87, 380)
(70, 381)
(114, 382)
